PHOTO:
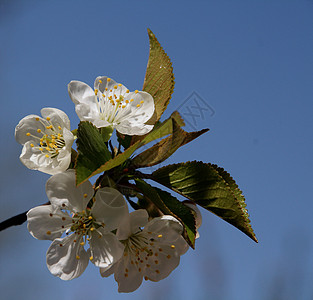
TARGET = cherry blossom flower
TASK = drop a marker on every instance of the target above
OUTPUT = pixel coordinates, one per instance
(111, 104)
(46, 140)
(151, 253)
(70, 213)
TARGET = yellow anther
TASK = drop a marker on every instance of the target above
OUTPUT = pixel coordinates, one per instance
(83, 211)
(49, 127)
(92, 229)
(85, 195)
(28, 134)
(48, 119)
(115, 96)
(119, 84)
(168, 256)
(106, 89)
(84, 226)
(138, 105)
(59, 127)
(136, 91)
(103, 95)
(173, 246)
(147, 265)
(110, 90)
(82, 243)
(90, 217)
(41, 149)
(146, 278)
(100, 81)
(108, 79)
(47, 155)
(115, 87)
(126, 275)
(160, 249)
(126, 270)
(131, 100)
(48, 149)
(37, 119)
(160, 235)
(32, 145)
(156, 262)
(48, 232)
(91, 257)
(157, 271)
(126, 101)
(127, 91)
(77, 257)
(96, 92)
(59, 135)
(38, 130)
(110, 98)
(139, 269)
(123, 106)
(142, 101)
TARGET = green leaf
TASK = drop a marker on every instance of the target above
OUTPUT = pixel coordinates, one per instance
(166, 147)
(92, 151)
(169, 205)
(164, 129)
(159, 79)
(209, 186)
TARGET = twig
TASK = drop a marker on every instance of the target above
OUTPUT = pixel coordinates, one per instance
(14, 221)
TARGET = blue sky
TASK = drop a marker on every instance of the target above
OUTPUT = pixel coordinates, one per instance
(251, 64)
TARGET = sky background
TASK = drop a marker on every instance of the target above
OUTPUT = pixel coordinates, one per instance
(248, 62)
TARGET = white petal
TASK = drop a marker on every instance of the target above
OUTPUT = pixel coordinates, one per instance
(69, 260)
(163, 264)
(105, 248)
(169, 227)
(127, 275)
(29, 124)
(132, 224)
(131, 129)
(109, 208)
(57, 117)
(45, 224)
(87, 112)
(105, 83)
(32, 157)
(80, 92)
(138, 111)
(106, 272)
(63, 192)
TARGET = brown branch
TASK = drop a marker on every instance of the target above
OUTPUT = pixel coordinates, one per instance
(16, 220)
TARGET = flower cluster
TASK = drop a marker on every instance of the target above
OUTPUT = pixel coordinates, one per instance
(88, 222)
(121, 223)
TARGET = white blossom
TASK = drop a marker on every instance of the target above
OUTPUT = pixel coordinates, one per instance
(70, 213)
(111, 104)
(46, 140)
(151, 253)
